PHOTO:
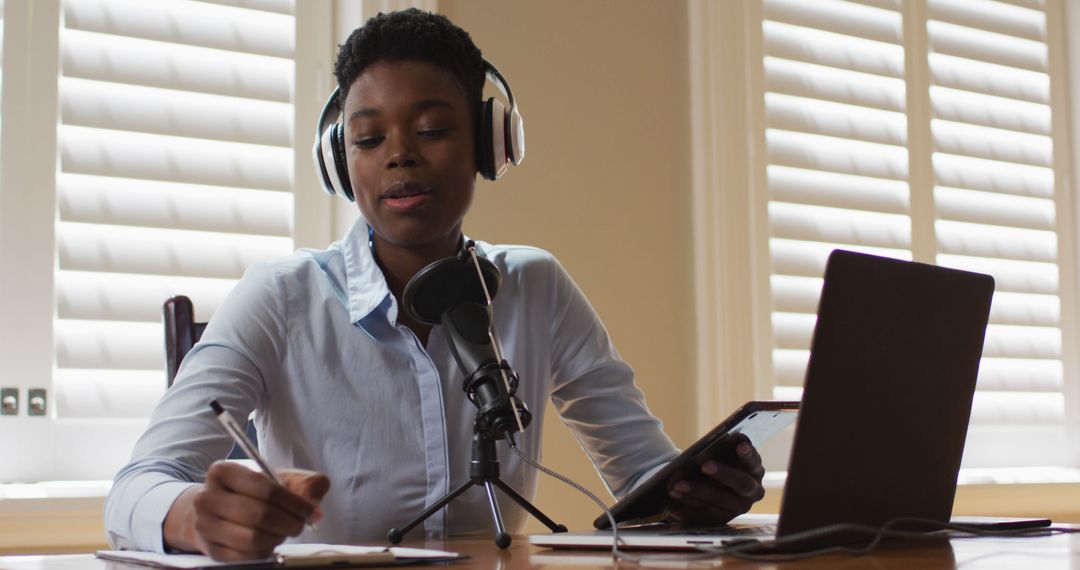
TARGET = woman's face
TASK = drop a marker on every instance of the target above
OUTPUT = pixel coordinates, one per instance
(409, 140)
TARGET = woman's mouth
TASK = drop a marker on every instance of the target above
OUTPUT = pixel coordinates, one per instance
(403, 197)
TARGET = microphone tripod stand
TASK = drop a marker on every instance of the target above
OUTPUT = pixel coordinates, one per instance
(483, 472)
(446, 292)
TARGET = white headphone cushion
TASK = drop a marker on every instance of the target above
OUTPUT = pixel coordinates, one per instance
(328, 160)
(316, 152)
(516, 137)
(498, 138)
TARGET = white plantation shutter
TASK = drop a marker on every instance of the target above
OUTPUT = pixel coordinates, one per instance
(836, 136)
(839, 139)
(994, 189)
(176, 173)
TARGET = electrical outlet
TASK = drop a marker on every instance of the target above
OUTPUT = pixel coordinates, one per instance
(36, 402)
(9, 401)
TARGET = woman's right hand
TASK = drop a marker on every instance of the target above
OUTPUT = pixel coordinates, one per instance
(240, 514)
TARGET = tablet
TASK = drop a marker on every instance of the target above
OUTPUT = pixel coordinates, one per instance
(757, 421)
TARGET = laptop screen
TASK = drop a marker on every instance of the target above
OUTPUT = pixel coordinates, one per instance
(894, 360)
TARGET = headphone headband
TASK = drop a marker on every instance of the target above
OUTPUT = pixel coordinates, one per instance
(493, 75)
(500, 138)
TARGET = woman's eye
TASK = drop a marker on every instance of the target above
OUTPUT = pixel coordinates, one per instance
(433, 133)
(368, 142)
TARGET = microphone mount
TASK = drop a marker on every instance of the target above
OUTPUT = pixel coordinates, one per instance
(492, 419)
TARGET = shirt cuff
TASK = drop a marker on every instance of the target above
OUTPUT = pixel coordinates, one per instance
(645, 477)
(150, 511)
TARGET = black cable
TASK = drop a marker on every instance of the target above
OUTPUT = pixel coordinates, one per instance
(748, 550)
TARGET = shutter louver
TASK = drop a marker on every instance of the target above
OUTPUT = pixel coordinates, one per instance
(176, 174)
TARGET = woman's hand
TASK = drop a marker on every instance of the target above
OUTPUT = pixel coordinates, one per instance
(239, 514)
(723, 492)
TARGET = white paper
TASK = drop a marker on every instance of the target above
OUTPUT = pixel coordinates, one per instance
(200, 561)
(311, 549)
(315, 549)
(172, 560)
(403, 552)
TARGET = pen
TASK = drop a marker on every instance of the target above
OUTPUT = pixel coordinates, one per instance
(240, 436)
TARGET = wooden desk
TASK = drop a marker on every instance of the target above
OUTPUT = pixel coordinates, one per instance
(1045, 553)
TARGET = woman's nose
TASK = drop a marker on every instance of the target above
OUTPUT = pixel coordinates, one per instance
(401, 153)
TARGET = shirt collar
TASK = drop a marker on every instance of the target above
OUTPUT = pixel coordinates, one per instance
(366, 288)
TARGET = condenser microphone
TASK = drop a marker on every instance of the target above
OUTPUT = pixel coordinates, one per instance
(449, 292)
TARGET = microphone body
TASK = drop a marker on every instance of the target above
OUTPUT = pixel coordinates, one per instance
(466, 324)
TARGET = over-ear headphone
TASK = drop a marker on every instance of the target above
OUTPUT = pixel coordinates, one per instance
(500, 138)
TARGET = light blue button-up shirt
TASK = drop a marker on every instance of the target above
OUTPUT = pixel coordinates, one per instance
(312, 345)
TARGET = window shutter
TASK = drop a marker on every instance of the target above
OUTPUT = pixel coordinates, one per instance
(176, 161)
(995, 198)
(837, 143)
(835, 137)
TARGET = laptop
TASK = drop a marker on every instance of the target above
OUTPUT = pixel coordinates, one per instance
(885, 409)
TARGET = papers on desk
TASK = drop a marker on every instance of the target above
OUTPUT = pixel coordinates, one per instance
(288, 556)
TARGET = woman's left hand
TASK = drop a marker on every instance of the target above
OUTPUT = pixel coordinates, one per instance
(723, 491)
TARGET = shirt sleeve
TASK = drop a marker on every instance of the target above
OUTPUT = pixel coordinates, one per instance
(595, 394)
(233, 362)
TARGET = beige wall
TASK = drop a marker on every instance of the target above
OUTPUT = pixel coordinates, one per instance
(605, 186)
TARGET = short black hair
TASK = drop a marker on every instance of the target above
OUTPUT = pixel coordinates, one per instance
(412, 34)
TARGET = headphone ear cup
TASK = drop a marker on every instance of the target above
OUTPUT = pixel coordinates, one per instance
(500, 158)
(327, 163)
(484, 164)
(337, 143)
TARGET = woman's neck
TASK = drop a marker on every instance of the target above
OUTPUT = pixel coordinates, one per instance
(400, 263)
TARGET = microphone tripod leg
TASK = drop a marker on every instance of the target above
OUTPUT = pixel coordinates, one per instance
(502, 538)
(396, 535)
(525, 504)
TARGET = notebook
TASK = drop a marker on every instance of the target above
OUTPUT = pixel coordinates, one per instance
(289, 556)
(886, 402)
